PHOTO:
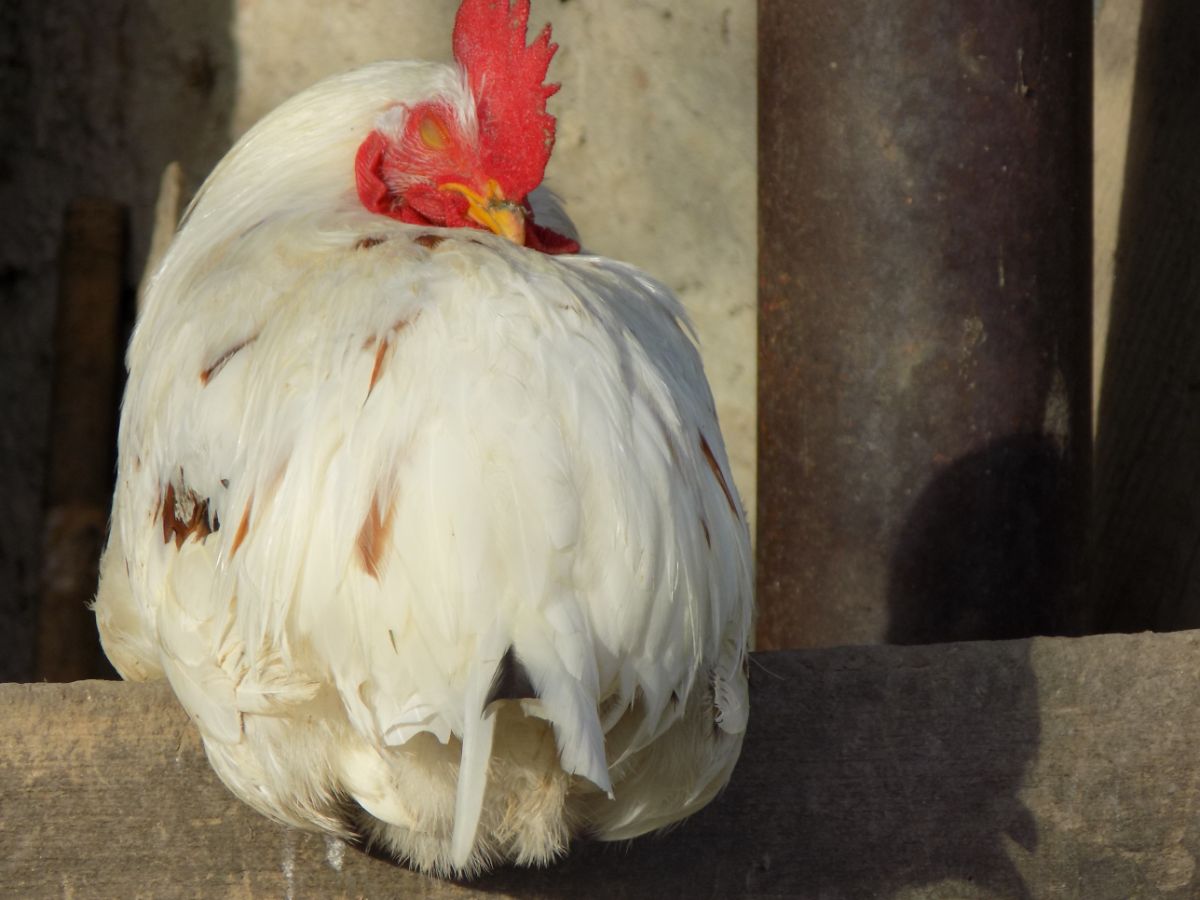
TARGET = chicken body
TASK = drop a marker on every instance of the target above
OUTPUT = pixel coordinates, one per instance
(433, 535)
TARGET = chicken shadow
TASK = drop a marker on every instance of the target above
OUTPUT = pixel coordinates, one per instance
(989, 549)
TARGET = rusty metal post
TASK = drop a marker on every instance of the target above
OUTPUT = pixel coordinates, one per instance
(924, 323)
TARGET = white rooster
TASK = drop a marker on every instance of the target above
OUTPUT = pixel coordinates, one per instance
(426, 517)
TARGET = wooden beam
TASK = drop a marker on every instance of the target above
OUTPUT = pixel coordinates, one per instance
(1114, 66)
(79, 470)
(1043, 768)
(1146, 527)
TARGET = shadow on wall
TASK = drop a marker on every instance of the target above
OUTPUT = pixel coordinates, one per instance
(98, 98)
(985, 550)
(1147, 524)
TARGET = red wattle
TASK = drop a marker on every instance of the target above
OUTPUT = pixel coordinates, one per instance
(368, 165)
(547, 241)
(441, 208)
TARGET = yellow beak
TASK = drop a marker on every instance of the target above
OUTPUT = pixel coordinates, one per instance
(493, 211)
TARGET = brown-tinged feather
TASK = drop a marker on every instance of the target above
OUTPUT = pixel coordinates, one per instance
(404, 321)
(208, 374)
(704, 525)
(198, 524)
(243, 527)
(373, 537)
(428, 241)
(716, 470)
(378, 367)
(184, 517)
(169, 525)
(384, 345)
(368, 242)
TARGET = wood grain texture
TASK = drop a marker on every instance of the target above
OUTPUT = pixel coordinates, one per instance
(1114, 65)
(1147, 477)
(1046, 768)
(83, 420)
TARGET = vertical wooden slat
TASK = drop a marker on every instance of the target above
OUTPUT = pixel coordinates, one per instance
(924, 330)
(1147, 524)
(79, 473)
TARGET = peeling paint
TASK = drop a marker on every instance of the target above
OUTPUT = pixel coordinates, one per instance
(289, 863)
(335, 852)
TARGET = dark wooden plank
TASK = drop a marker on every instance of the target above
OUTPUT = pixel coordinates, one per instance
(1113, 67)
(1047, 768)
(79, 483)
(1147, 522)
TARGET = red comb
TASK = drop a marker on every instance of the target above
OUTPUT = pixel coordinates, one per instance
(506, 78)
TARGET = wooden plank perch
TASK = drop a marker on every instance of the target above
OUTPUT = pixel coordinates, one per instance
(1044, 768)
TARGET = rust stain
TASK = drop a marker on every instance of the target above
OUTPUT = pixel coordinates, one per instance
(243, 527)
(208, 374)
(373, 538)
(712, 464)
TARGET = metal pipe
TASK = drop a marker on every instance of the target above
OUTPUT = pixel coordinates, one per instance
(924, 321)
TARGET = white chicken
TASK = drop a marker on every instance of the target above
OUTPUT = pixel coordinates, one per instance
(426, 517)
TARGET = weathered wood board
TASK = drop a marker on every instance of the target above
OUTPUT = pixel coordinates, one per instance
(1046, 768)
